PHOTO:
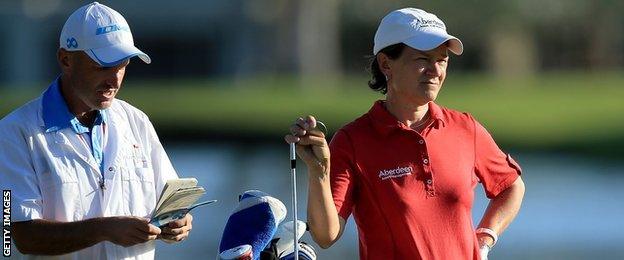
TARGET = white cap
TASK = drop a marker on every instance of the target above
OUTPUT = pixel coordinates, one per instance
(102, 33)
(415, 28)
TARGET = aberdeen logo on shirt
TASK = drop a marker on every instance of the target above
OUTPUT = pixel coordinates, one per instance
(395, 173)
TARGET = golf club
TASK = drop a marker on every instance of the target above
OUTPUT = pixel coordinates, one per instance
(293, 169)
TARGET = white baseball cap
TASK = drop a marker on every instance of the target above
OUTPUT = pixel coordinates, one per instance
(415, 28)
(102, 33)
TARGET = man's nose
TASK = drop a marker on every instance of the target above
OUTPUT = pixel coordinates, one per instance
(114, 78)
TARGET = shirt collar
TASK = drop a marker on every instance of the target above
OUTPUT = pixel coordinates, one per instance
(384, 122)
(56, 114)
(437, 114)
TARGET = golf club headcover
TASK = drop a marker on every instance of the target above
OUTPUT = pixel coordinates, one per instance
(306, 252)
(253, 222)
(284, 236)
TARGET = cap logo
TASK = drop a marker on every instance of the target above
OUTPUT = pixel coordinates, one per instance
(110, 28)
(421, 23)
(72, 43)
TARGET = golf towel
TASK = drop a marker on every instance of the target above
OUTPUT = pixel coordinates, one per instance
(253, 222)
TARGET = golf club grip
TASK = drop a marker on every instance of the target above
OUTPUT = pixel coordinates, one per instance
(293, 156)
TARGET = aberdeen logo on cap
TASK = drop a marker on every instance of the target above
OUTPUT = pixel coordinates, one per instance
(420, 22)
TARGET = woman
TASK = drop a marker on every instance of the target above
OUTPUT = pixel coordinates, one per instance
(407, 169)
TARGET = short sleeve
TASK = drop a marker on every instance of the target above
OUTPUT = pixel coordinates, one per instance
(341, 173)
(495, 169)
(17, 175)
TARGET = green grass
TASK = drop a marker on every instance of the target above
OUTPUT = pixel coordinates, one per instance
(553, 110)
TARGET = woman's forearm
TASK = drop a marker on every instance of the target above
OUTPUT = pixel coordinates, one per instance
(325, 224)
(502, 209)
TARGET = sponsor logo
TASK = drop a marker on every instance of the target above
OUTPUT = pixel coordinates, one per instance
(72, 43)
(421, 23)
(6, 223)
(110, 29)
(395, 173)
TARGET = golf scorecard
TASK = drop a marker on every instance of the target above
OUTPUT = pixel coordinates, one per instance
(179, 196)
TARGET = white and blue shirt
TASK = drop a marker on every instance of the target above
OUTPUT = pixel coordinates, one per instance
(59, 170)
(56, 116)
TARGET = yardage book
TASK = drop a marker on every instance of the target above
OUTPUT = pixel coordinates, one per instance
(177, 199)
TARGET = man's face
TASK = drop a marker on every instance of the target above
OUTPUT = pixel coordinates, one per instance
(417, 76)
(93, 87)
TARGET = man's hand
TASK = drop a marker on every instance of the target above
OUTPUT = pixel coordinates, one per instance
(178, 230)
(312, 147)
(129, 231)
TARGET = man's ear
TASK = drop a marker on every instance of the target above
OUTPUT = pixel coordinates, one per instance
(64, 59)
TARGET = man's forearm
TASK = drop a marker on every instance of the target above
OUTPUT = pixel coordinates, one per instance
(503, 208)
(44, 237)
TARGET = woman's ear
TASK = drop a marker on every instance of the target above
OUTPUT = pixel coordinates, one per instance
(384, 64)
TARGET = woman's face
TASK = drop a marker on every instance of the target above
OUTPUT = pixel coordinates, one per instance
(416, 76)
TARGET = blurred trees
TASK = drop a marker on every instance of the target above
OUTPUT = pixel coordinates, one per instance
(318, 39)
(325, 38)
(509, 38)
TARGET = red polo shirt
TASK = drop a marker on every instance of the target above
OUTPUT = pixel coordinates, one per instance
(411, 194)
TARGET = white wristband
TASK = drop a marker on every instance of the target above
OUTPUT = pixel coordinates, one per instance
(488, 232)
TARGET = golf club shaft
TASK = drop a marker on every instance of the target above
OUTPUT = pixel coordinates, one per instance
(293, 170)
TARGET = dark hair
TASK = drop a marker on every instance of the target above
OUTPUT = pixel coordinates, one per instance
(378, 80)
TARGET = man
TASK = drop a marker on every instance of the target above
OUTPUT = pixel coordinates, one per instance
(85, 169)
(407, 169)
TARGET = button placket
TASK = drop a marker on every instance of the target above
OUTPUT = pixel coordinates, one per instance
(429, 186)
(426, 164)
(110, 171)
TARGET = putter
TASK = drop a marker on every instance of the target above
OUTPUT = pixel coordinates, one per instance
(293, 169)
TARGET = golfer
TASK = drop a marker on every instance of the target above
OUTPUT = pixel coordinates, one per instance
(407, 168)
(85, 169)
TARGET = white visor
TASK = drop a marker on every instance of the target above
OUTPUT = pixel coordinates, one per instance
(430, 40)
(111, 56)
